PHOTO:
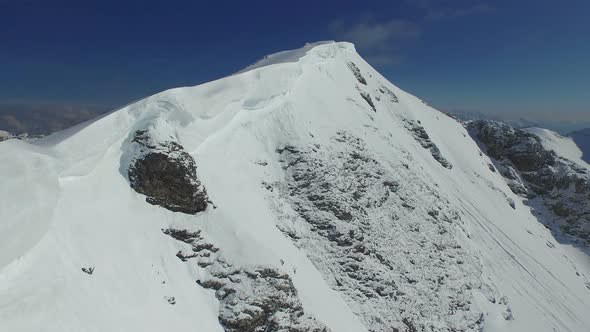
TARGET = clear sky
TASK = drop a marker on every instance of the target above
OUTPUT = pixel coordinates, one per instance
(485, 56)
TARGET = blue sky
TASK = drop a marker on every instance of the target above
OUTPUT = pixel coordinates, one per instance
(486, 56)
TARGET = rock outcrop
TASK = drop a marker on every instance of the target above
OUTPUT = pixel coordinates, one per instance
(421, 136)
(540, 175)
(351, 218)
(252, 299)
(166, 175)
(357, 73)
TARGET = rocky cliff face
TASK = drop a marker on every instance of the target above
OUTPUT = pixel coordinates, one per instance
(532, 171)
(166, 175)
(357, 207)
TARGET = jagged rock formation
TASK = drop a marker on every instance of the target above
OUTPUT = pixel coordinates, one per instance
(252, 299)
(392, 96)
(357, 73)
(354, 206)
(166, 175)
(539, 174)
(421, 136)
(367, 97)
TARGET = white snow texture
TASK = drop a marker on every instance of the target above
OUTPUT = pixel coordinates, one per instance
(313, 168)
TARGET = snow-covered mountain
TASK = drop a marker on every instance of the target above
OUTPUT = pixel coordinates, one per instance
(582, 140)
(4, 135)
(305, 193)
(563, 123)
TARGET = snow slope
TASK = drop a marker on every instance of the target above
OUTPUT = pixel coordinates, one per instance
(381, 210)
(4, 135)
(564, 146)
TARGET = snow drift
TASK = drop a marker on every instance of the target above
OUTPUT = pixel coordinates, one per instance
(330, 200)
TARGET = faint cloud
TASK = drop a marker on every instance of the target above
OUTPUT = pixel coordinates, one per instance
(379, 41)
(10, 123)
(444, 13)
(368, 34)
(382, 41)
(442, 9)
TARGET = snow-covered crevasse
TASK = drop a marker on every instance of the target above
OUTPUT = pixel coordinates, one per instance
(383, 236)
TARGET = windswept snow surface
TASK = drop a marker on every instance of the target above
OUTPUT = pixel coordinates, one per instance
(387, 239)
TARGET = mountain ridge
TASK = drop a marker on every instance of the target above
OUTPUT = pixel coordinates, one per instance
(337, 202)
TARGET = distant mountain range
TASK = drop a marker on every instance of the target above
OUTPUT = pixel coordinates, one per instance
(45, 118)
(582, 139)
(560, 125)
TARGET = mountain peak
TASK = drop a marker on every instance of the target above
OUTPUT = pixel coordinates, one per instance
(306, 193)
(296, 54)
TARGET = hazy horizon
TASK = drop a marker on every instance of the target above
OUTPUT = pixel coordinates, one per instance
(498, 58)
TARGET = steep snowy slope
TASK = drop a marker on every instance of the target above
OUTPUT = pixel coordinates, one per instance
(564, 146)
(324, 198)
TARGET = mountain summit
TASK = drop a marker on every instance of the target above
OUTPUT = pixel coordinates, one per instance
(304, 193)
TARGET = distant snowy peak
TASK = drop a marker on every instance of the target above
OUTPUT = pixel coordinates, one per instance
(582, 140)
(564, 146)
(474, 116)
(543, 165)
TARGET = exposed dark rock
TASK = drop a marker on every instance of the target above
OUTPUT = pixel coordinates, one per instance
(357, 73)
(367, 97)
(88, 270)
(267, 302)
(254, 299)
(421, 136)
(385, 90)
(409, 324)
(182, 234)
(523, 149)
(492, 168)
(391, 185)
(533, 172)
(166, 175)
(361, 246)
(511, 203)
